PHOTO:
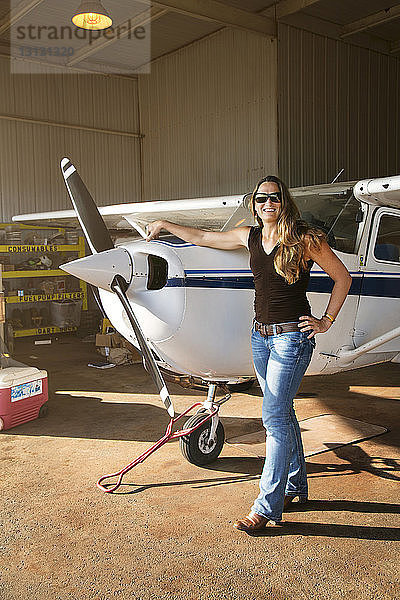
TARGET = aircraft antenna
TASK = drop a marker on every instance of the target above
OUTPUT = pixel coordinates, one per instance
(334, 180)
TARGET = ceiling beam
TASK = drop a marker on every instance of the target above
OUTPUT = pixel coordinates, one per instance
(122, 30)
(14, 15)
(378, 18)
(5, 55)
(229, 16)
(286, 7)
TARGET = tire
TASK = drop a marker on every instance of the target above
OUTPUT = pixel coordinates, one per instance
(43, 410)
(194, 446)
(243, 386)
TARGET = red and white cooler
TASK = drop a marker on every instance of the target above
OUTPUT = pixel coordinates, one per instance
(23, 393)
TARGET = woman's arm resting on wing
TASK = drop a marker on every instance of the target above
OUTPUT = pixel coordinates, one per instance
(224, 240)
(333, 266)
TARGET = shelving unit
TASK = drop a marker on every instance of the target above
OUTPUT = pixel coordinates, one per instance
(23, 298)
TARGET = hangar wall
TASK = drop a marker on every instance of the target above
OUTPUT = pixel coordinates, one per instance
(215, 115)
(339, 107)
(209, 114)
(30, 178)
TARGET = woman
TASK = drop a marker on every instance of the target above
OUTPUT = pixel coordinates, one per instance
(282, 250)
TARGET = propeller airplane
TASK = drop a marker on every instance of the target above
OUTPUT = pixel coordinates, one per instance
(189, 309)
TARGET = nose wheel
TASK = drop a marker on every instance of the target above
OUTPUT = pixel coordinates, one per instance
(203, 445)
(198, 447)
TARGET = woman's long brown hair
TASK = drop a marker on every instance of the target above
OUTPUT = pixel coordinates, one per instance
(294, 235)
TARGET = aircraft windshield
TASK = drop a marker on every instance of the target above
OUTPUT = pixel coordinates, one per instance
(337, 214)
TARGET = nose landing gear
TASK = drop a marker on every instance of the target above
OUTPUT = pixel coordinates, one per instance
(204, 444)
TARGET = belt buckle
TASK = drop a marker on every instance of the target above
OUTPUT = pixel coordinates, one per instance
(278, 329)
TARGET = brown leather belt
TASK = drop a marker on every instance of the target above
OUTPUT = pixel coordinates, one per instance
(275, 329)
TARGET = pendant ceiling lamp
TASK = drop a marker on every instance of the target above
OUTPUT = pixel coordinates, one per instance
(91, 14)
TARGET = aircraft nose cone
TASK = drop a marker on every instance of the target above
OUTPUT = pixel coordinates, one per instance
(101, 268)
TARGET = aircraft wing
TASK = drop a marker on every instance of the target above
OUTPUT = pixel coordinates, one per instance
(213, 213)
(383, 191)
(204, 213)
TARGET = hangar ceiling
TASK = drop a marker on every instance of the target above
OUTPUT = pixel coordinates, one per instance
(373, 24)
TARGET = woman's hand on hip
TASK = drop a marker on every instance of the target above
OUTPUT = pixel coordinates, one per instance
(314, 325)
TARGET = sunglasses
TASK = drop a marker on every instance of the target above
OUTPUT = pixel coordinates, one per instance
(274, 197)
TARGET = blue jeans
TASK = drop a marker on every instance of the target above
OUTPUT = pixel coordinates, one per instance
(280, 362)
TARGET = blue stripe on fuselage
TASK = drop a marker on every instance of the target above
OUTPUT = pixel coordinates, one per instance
(381, 287)
(172, 240)
(234, 283)
(364, 284)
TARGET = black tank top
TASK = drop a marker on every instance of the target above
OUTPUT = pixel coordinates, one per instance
(276, 301)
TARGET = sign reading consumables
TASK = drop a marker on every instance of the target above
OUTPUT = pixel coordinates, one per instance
(26, 390)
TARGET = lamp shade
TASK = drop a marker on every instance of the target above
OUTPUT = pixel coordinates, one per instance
(91, 14)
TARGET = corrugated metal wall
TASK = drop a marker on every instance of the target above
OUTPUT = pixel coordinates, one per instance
(338, 107)
(209, 114)
(30, 177)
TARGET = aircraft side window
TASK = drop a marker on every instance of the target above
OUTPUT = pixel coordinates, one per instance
(387, 244)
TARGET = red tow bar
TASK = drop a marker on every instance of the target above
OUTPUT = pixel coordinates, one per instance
(166, 438)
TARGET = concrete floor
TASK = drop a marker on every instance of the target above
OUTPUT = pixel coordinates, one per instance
(168, 532)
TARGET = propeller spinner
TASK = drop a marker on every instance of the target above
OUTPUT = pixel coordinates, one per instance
(114, 266)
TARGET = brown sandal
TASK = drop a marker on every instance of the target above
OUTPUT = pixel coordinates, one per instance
(253, 522)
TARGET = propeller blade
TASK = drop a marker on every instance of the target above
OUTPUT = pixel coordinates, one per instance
(93, 226)
(119, 287)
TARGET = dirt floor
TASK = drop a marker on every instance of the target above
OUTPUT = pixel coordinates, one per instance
(168, 532)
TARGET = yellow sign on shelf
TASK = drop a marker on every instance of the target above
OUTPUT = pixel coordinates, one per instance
(42, 331)
(19, 248)
(36, 273)
(45, 297)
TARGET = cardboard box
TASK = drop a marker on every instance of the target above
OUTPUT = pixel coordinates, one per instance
(134, 353)
(115, 340)
(108, 340)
